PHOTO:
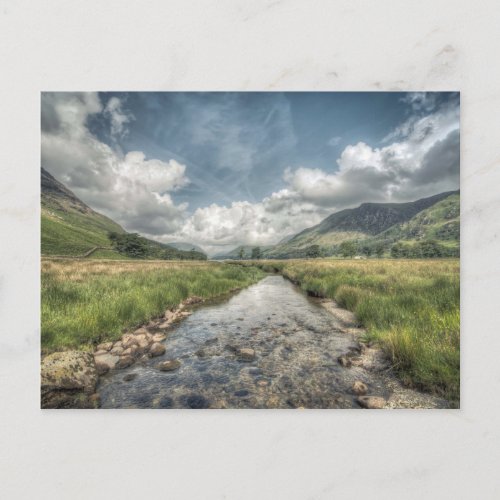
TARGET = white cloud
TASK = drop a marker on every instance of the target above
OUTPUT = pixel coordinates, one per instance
(334, 141)
(130, 189)
(420, 157)
(117, 116)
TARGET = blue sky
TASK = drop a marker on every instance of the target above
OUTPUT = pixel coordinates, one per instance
(220, 169)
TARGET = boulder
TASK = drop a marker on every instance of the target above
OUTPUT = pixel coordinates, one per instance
(69, 370)
(169, 314)
(246, 354)
(159, 337)
(107, 359)
(141, 331)
(102, 368)
(117, 351)
(169, 366)
(105, 346)
(359, 388)
(68, 379)
(157, 349)
(128, 341)
(125, 361)
(371, 402)
(131, 351)
(143, 341)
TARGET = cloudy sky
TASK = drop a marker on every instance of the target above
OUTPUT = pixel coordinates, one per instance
(223, 169)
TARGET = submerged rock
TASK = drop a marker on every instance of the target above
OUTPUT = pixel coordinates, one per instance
(359, 388)
(246, 354)
(371, 402)
(197, 402)
(157, 349)
(169, 366)
(125, 362)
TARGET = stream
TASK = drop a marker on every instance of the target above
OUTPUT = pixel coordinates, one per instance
(296, 343)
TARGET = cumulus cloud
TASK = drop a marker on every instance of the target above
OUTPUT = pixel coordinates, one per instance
(131, 189)
(424, 160)
(420, 157)
(242, 222)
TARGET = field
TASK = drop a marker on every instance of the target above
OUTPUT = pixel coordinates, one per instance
(411, 308)
(88, 301)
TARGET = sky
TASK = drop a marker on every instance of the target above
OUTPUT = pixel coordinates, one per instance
(222, 169)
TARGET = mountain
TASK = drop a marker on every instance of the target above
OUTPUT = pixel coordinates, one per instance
(385, 223)
(235, 252)
(182, 245)
(69, 227)
(440, 223)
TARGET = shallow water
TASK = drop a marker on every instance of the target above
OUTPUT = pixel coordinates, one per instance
(296, 341)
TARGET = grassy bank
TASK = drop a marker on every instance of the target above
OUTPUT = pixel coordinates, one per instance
(88, 301)
(410, 307)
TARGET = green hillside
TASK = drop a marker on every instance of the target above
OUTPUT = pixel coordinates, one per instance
(68, 226)
(439, 223)
(71, 228)
(378, 226)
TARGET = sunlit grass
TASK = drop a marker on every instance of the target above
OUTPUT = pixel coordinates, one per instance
(88, 301)
(410, 307)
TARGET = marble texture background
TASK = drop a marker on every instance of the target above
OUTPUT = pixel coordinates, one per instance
(248, 45)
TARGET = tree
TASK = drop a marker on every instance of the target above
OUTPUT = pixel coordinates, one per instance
(379, 250)
(256, 253)
(241, 253)
(313, 251)
(367, 250)
(347, 248)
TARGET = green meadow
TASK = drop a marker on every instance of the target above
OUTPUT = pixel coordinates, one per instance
(85, 302)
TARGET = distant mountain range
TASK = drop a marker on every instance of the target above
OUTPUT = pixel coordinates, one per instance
(235, 252)
(72, 228)
(182, 245)
(378, 226)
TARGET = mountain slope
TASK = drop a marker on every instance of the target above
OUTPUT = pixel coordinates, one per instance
(374, 222)
(69, 226)
(440, 222)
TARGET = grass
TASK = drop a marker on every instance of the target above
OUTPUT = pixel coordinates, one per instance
(85, 302)
(410, 307)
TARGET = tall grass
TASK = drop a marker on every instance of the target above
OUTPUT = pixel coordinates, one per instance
(86, 302)
(410, 307)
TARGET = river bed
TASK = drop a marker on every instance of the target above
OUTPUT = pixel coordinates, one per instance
(296, 341)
